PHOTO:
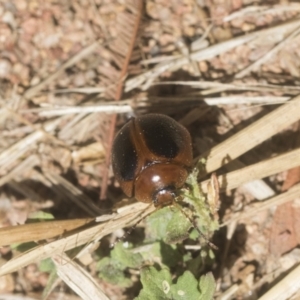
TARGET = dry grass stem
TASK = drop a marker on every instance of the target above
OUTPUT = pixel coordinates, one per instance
(25, 165)
(264, 100)
(27, 192)
(80, 127)
(148, 77)
(276, 33)
(82, 90)
(128, 25)
(126, 217)
(208, 85)
(290, 195)
(77, 278)
(212, 101)
(259, 170)
(259, 189)
(261, 10)
(31, 92)
(125, 106)
(11, 155)
(268, 55)
(71, 192)
(229, 293)
(285, 288)
(104, 108)
(252, 135)
(39, 231)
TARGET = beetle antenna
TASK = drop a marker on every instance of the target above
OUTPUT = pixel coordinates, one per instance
(210, 244)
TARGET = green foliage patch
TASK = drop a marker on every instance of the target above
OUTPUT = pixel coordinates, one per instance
(112, 269)
(168, 224)
(158, 285)
(162, 257)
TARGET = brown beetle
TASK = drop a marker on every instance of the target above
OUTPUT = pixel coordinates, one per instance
(151, 158)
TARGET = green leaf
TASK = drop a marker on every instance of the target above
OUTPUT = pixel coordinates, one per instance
(125, 257)
(161, 252)
(170, 254)
(187, 257)
(156, 284)
(194, 235)
(112, 272)
(151, 252)
(157, 223)
(169, 224)
(186, 288)
(211, 254)
(177, 228)
(24, 246)
(207, 286)
(41, 215)
(47, 265)
(51, 283)
(112, 268)
(195, 265)
(198, 200)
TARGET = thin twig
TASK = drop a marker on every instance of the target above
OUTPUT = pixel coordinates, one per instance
(118, 95)
(32, 91)
(268, 55)
(252, 135)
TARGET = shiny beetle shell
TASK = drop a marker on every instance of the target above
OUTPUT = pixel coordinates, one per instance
(151, 158)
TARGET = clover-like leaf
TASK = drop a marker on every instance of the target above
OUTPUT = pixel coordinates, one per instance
(195, 265)
(125, 257)
(112, 272)
(156, 284)
(186, 288)
(207, 286)
(157, 223)
(161, 252)
(177, 228)
(169, 224)
(112, 268)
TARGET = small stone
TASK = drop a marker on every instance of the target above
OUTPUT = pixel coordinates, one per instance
(6, 283)
(20, 4)
(246, 27)
(203, 66)
(189, 31)
(35, 80)
(222, 34)
(79, 80)
(9, 19)
(5, 68)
